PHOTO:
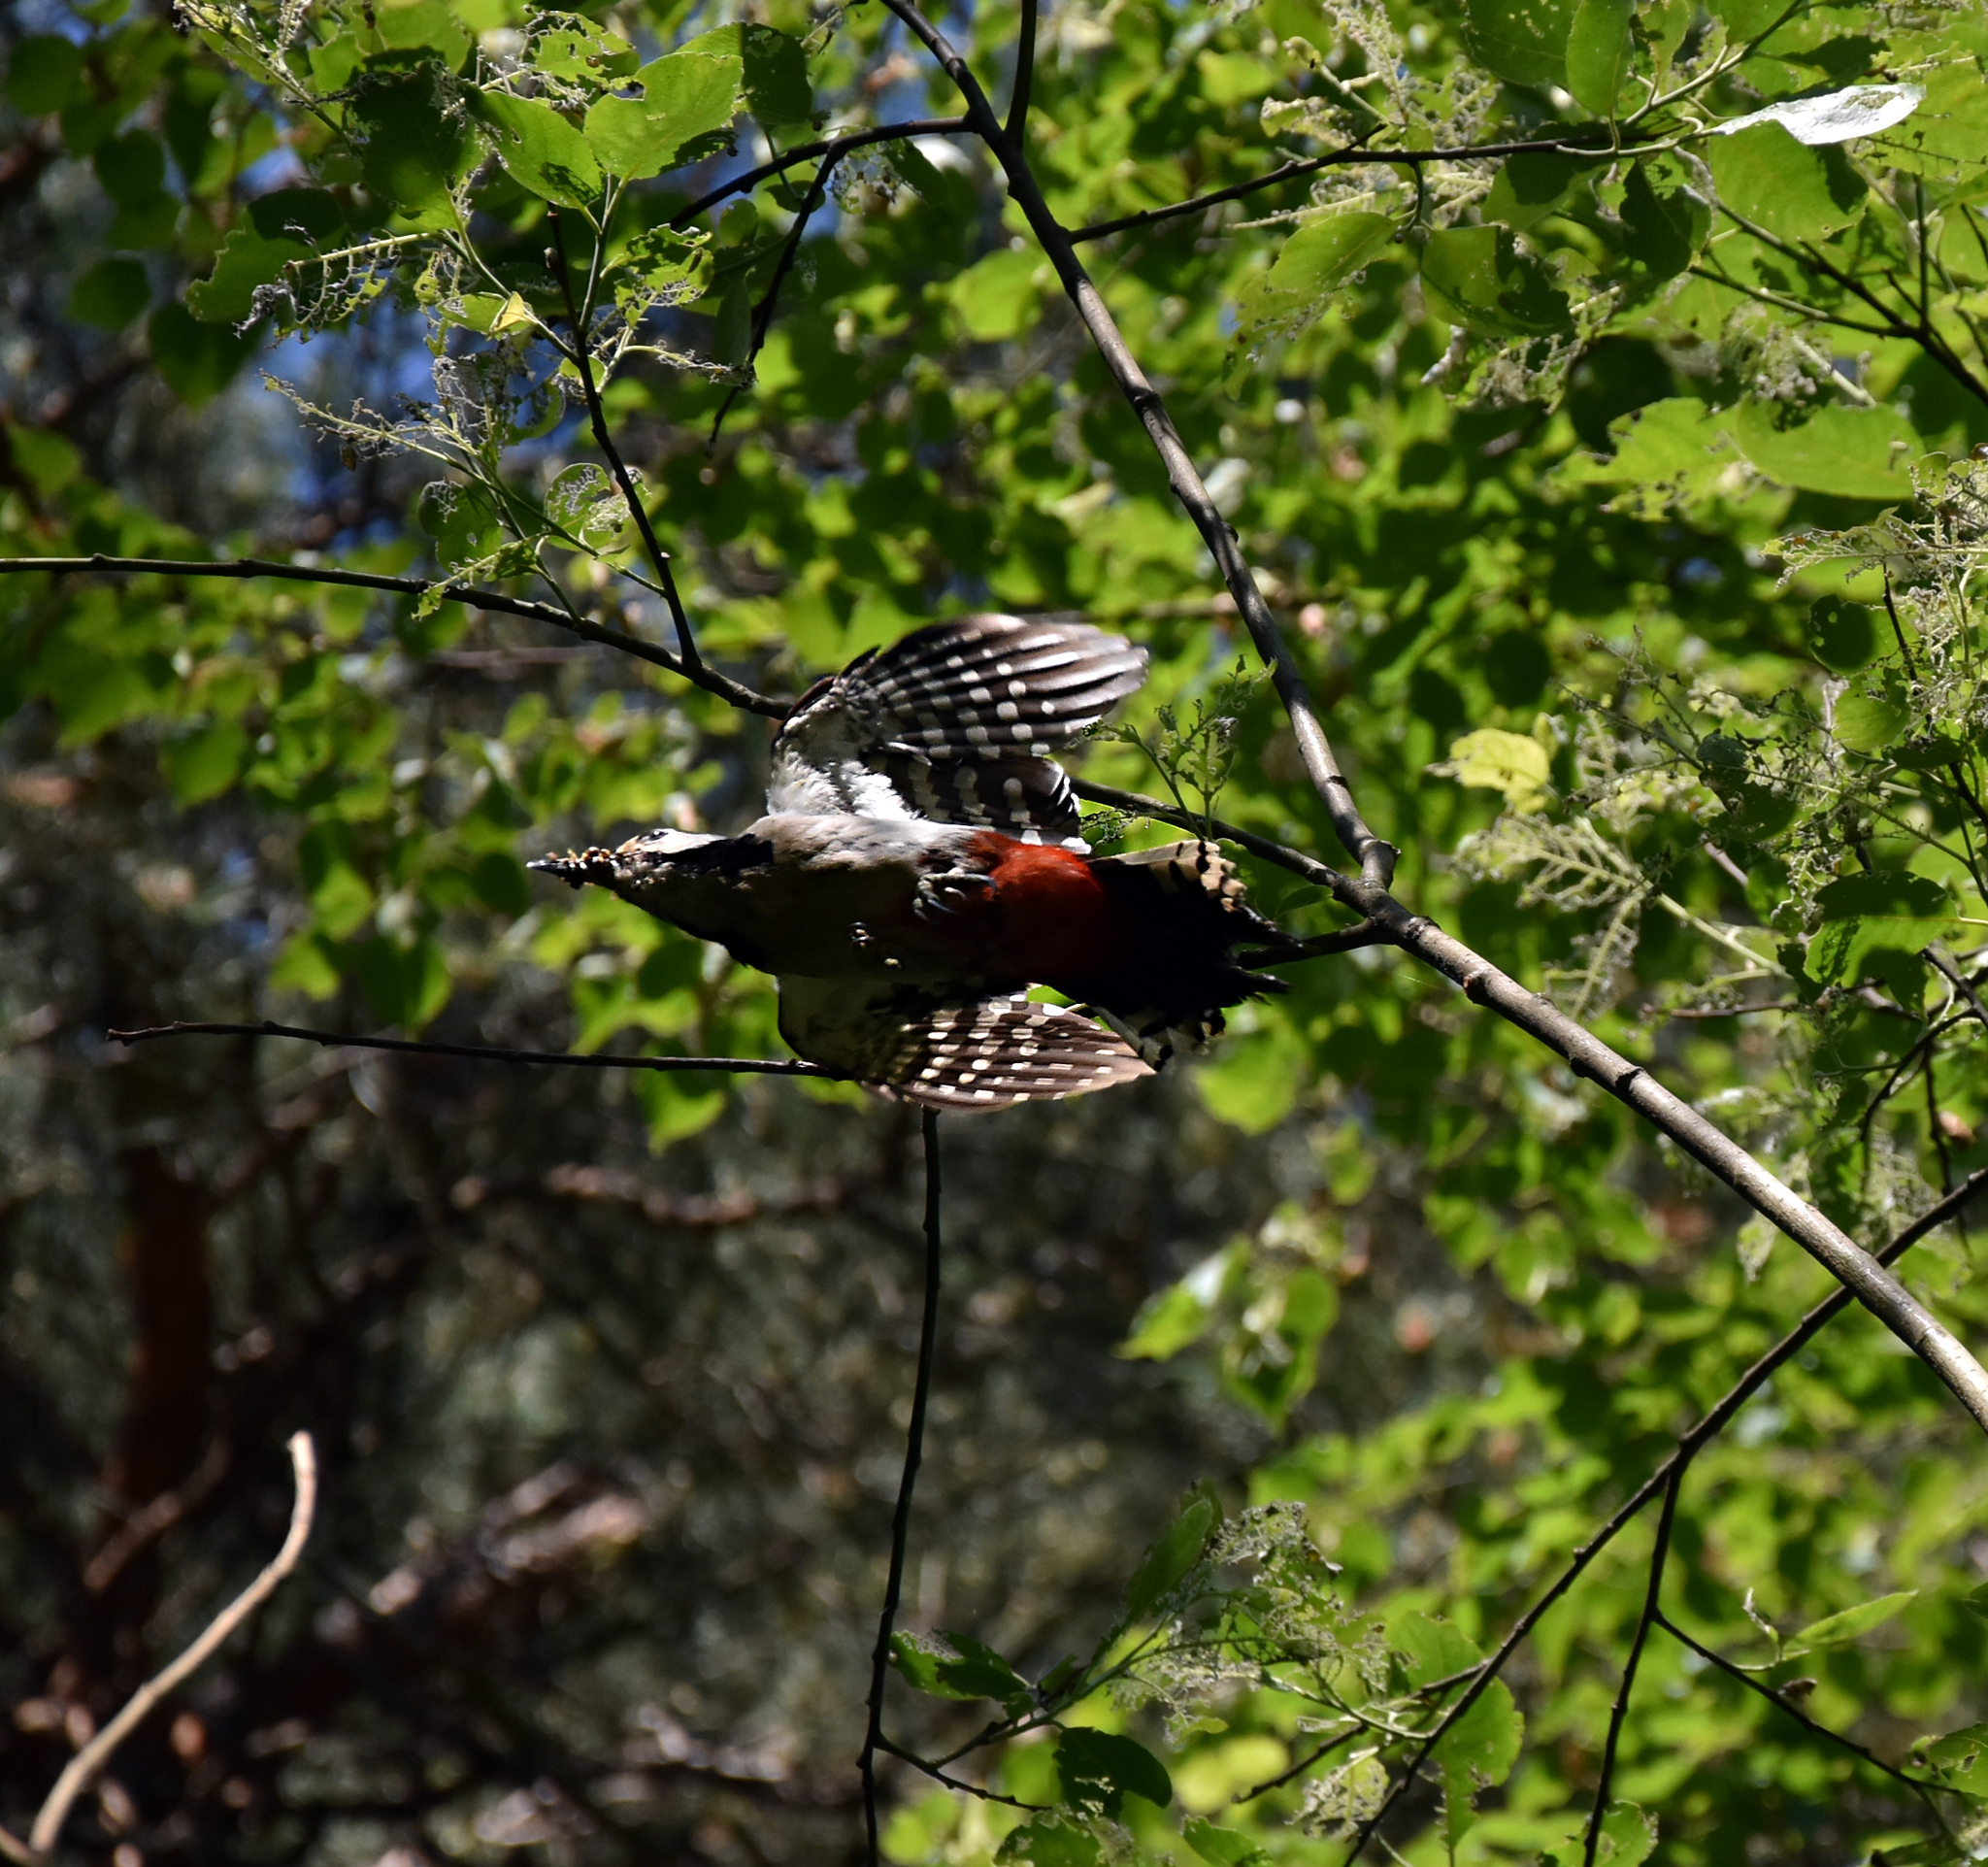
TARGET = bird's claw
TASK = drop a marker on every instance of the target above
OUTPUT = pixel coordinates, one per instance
(947, 893)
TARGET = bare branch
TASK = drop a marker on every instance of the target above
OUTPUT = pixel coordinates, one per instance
(89, 1761)
(489, 1053)
(1024, 74)
(773, 706)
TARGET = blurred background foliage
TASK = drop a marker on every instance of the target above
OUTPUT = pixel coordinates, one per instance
(1637, 592)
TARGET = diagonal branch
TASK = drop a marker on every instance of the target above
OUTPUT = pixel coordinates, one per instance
(772, 706)
(1024, 74)
(488, 1054)
(901, 1519)
(1376, 857)
(1630, 1083)
(89, 1763)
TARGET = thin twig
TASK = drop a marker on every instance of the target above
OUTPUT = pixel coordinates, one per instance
(901, 1521)
(772, 706)
(489, 1053)
(1957, 979)
(762, 316)
(1353, 154)
(938, 1774)
(1342, 940)
(1781, 1704)
(583, 360)
(1620, 1710)
(834, 147)
(86, 1764)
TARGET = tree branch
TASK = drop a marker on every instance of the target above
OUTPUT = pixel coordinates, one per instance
(88, 1762)
(901, 1521)
(834, 147)
(1376, 857)
(1024, 74)
(1629, 1082)
(770, 705)
(345, 1040)
(1353, 154)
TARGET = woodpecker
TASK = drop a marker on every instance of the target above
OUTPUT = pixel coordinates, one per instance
(920, 867)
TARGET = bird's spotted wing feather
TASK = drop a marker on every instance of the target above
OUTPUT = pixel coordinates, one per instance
(956, 723)
(997, 1051)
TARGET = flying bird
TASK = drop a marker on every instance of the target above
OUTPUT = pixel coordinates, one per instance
(920, 867)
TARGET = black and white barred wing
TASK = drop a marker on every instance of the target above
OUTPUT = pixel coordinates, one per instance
(997, 1051)
(958, 722)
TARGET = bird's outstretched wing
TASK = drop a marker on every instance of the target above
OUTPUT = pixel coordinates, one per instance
(978, 1053)
(957, 723)
(997, 1051)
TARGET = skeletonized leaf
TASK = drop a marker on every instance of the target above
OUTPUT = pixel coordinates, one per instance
(1857, 110)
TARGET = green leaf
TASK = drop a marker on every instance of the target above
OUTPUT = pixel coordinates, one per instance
(540, 149)
(45, 460)
(1793, 192)
(576, 49)
(1494, 760)
(1665, 227)
(686, 98)
(1480, 277)
(1478, 1752)
(1322, 254)
(1222, 1847)
(206, 763)
(1842, 635)
(996, 297)
(1529, 187)
(1170, 1558)
(1857, 453)
(1521, 40)
(1598, 49)
(337, 893)
(405, 985)
(1050, 1841)
(1836, 1630)
(774, 69)
(949, 1665)
(130, 167)
(415, 142)
(1169, 1320)
(1426, 1649)
(1869, 723)
(1102, 1769)
(1960, 1759)
(197, 360)
(111, 294)
(1862, 914)
(42, 71)
(420, 25)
